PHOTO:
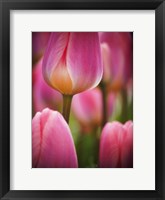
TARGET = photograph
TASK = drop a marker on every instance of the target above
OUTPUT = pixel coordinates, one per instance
(82, 99)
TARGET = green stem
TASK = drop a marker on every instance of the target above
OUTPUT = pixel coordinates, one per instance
(67, 99)
(96, 146)
(124, 113)
(104, 99)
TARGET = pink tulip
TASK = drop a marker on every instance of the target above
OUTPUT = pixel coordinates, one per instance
(117, 54)
(43, 95)
(52, 143)
(72, 62)
(116, 145)
(39, 43)
(87, 107)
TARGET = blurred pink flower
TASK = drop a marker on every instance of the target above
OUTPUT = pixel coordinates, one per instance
(43, 95)
(52, 142)
(106, 57)
(87, 107)
(39, 43)
(117, 54)
(72, 62)
(116, 145)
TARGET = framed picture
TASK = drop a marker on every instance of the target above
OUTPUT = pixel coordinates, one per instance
(82, 99)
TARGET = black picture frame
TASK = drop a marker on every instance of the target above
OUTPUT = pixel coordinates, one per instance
(5, 7)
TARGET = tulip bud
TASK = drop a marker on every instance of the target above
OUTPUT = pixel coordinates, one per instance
(117, 55)
(43, 95)
(72, 62)
(87, 107)
(52, 143)
(116, 145)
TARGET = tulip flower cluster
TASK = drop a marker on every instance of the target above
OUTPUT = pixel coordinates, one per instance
(82, 99)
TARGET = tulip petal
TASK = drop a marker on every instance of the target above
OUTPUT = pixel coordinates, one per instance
(116, 145)
(127, 146)
(55, 51)
(110, 151)
(84, 60)
(56, 143)
(36, 139)
(61, 80)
